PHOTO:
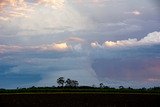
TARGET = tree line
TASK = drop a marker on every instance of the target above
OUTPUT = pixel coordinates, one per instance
(69, 83)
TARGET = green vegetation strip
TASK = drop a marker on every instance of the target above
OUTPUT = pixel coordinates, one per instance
(79, 90)
(26, 93)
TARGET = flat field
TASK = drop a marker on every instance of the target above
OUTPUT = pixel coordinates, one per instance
(79, 99)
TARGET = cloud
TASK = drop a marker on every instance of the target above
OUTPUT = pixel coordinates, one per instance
(87, 64)
(28, 17)
(139, 65)
(78, 48)
(151, 39)
(135, 12)
(55, 47)
(95, 2)
(10, 9)
(83, 40)
(95, 45)
(78, 44)
(46, 65)
(53, 3)
(59, 47)
(129, 42)
(4, 3)
(75, 39)
(8, 48)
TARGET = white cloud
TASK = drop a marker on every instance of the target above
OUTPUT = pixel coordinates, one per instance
(150, 39)
(129, 42)
(135, 12)
(95, 45)
(55, 47)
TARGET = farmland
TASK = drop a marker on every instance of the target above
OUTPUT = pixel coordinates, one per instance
(79, 97)
(79, 100)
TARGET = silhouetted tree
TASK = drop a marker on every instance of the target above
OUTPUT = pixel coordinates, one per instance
(106, 87)
(121, 87)
(75, 83)
(143, 89)
(33, 87)
(68, 82)
(101, 85)
(130, 88)
(71, 83)
(61, 81)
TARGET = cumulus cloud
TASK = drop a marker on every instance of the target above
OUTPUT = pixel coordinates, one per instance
(150, 39)
(55, 47)
(129, 42)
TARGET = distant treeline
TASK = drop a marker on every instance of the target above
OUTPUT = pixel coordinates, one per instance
(70, 85)
(104, 89)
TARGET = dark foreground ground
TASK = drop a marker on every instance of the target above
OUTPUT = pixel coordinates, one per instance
(79, 100)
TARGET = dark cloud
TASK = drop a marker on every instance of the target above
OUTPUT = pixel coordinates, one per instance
(135, 64)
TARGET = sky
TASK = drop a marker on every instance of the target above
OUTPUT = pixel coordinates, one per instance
(114, 42)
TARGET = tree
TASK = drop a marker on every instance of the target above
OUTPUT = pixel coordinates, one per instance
(75, 83)
(68, 82)
(61, 81)
(101, 85)
(71, 83)
(121, 87)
